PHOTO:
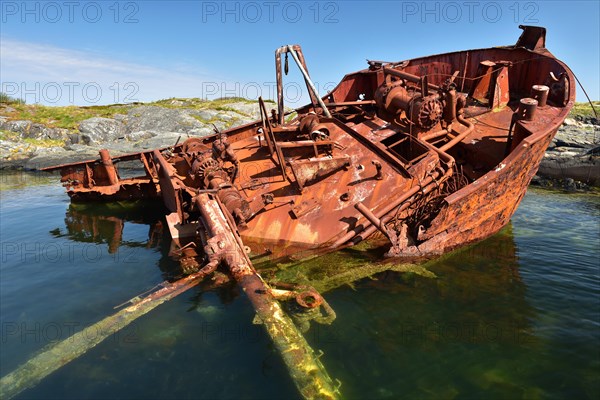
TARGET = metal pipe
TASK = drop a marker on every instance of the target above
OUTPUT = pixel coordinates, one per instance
(307, 372)
(362, 231)
(59, 354)
(309, 82)
(351, 103)
(409, 77)
(376, 222)
(385, 219)
(434, 135)
(461, 136)
(450, 109)
(109, 167)
(359, 228)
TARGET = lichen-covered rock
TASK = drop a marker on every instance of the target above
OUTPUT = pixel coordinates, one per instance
(46, 157)
(99, 130)
(159, 119)
(15, 154)
(164, 139)
(38, 131)
(572, 154)
(20, 127)
(140, 135)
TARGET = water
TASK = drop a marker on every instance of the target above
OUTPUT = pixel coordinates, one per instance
(516, 316)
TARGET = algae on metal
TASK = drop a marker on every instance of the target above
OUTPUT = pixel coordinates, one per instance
(329, 271)
(54, 357)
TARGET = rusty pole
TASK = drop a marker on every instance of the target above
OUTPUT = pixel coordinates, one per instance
(309, 374)
(33, 371)
(309, 82)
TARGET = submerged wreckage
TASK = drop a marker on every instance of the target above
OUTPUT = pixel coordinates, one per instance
(435, 153)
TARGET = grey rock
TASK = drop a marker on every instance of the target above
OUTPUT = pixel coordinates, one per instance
(573, 155)
(8, 109)
(118, 148)
(226, 116)
(571, 164)
(152, 118)
(15, 154)
(178, 103)
(60, 134)
(204, 131)
(581, 137)
(164, 139)
(120, 117)
(20, 127)
(99, 130)
(38, 131)
(205, 115)
(594, 151)
(29, 130)
(588, 120)
(571, 122)
(77, 147)
(46, 157)
(250, 110)
(73, 138)
(140, 135)
(56, 157)
(220, 125)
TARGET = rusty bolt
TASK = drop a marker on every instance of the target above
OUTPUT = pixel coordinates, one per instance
(345, 196)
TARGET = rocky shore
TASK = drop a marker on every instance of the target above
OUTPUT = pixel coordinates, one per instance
(573, 158)
(27, 144)
(33, 137)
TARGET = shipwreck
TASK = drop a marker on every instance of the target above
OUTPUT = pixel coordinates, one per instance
(434, 153)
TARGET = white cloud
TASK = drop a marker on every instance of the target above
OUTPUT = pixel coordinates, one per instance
(51, 75)
(58, 76)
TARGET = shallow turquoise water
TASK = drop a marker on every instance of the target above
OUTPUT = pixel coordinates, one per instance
(516, 316)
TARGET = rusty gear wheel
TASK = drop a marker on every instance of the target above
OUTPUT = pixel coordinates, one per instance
(430, 113)
(207, 166)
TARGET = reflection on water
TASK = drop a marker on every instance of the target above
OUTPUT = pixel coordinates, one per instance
(515, 316)
(104, 224)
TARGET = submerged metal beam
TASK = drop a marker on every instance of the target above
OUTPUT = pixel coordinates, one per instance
(305, 368)
(32, 372)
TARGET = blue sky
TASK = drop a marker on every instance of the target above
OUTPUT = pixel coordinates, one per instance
(99, 52)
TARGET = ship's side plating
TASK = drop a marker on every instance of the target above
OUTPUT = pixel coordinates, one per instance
(433, 152)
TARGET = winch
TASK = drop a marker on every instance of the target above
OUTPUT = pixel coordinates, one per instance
(404, 93)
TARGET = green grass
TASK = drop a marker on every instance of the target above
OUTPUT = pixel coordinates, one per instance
(15, 137)
(6, 99)
(291, 116)
(10, 136)
(199, 104)
(67, 117)
(585, 110)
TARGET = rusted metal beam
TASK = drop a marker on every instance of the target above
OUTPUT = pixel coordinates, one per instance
(305, 368)
(58, 355)
(309, 82)
(409, 77)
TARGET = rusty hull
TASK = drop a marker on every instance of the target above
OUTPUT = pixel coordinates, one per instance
(435, 153)
(439, 150)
